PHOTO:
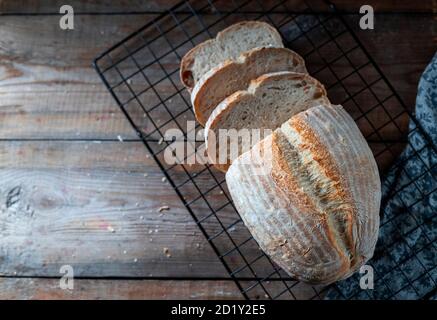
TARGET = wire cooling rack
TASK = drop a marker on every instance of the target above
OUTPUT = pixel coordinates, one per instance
(142, 74)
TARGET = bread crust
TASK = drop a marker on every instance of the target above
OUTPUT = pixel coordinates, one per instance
(189, 58)
(293, 216)
(331, 171)
(231, 76)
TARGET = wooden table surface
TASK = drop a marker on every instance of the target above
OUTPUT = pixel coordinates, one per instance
(83, 198)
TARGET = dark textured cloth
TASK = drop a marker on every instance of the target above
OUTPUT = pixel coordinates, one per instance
(405, 260)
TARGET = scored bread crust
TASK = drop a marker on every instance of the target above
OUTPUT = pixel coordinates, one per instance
(315, 210)
(233, 75)
(187, 75)
(229, 108)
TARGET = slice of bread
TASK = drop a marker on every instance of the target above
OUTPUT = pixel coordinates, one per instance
(227, 45)
(315, 209)
(269, 101)
(234, 75)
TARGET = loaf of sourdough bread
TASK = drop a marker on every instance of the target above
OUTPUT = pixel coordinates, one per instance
(315, 209)
(234, 75)
(269, 101)
(227, 45)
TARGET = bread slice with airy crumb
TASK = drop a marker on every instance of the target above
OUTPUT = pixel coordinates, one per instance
(269, 101)
(227, 45)
(234, 75)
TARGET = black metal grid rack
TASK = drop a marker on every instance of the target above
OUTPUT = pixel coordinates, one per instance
(142, 74)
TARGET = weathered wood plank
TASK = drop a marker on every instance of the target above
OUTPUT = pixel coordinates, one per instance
(120, 289)
(129, 6)
(90, 205)
(54, 86)
(54, 93)
(124, 289)
(402, 46)
(80, 6)
(48, 289)
(388, 6)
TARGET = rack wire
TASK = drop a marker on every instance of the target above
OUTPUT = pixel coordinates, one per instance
(142, 74)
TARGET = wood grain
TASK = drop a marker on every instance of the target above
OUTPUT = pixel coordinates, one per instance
(55, 86)
(90, 205)
(80, 6)
(125, 289)
(84, 289)
(55, 94)
(398, 56)
(132, 6)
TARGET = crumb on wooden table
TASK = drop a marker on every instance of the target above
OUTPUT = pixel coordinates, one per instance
(163, 208)
(166, 252)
